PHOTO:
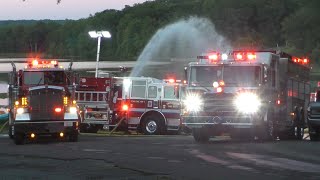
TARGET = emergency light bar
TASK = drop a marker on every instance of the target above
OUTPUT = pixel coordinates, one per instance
(214, 57)
(35, 63)
(303, 61)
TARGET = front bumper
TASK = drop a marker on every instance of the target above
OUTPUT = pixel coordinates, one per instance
(241, 121)
(45, 127)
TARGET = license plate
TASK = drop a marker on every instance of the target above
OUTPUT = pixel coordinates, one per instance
(68, 124)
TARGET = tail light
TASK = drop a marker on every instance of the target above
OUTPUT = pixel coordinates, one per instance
(57, 110)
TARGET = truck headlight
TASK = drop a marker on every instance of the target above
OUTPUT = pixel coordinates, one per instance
(20, 110)
(247, 102)
(73, 110)
(193, 103)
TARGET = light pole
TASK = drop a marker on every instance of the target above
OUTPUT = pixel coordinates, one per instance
(99, 35)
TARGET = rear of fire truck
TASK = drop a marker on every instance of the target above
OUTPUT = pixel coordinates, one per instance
(240, 93)
(41, 102)
(93, 98)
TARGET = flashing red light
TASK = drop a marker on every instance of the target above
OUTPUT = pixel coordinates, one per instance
(239, 56)
(171, 80)
(300, 61)
(278, 102)
(305, 61)
(221, 83)
(184, 81)
(35, 62)
(219, 89)
(125, 107)
(54, 62)
(57, 110)
(251, 56)
(213, 57)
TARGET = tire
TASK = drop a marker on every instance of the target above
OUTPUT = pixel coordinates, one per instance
(19, 139)
(298, 126)
(268, 131)
(87, 128)
(314, 137)
(152, 125)
(200, 135)
(73, 137)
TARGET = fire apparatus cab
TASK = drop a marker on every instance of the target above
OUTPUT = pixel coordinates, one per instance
(247, 95)
(314, 116)
(146, 104)
(149, 105)
(41, 102)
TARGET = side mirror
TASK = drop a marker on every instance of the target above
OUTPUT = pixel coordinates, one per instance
(185, 72)
(266, 74)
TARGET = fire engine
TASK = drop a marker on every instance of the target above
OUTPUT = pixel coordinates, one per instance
(145, 104)
(41, 102)
(246, 94)
(314, 116)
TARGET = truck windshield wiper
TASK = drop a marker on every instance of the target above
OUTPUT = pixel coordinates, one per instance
(39, 81)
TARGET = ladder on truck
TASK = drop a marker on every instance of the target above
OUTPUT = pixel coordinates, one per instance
(95, 107)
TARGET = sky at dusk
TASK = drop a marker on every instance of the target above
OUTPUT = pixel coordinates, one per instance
(49, 9)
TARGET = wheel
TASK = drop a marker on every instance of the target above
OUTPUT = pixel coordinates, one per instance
(152, 125)
(268, 132)
(298, 125)
(200, 135)
(73, 137)
(19, 139)
(314, 133)
(314, 137)
(89, 128)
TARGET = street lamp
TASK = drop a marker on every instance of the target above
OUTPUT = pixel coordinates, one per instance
(99, 35)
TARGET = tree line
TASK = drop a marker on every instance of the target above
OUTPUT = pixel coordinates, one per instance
(289, 25)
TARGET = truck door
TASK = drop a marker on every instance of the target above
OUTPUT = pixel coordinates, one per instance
(137, 101)
(171, 106)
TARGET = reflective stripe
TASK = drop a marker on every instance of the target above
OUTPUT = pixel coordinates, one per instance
(42, 122)
(137, 109)
(171, 111)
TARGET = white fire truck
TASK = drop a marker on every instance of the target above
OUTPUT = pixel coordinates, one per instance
(247, 95)
(41, 102)
(145, 104)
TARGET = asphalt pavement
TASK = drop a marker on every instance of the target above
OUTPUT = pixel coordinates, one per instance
(98, 157)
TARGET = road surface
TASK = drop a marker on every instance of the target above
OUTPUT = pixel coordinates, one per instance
(159, 157)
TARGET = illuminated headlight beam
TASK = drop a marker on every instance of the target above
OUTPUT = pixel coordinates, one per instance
(247, 102)
(193, 103)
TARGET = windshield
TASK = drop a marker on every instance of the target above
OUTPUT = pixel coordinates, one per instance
(231, 75)
(41, 78)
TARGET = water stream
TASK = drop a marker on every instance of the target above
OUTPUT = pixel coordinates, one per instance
(179, 43)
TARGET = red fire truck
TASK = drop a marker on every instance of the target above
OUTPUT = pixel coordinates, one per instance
(145, 104)
(41, 102)
(247, 94)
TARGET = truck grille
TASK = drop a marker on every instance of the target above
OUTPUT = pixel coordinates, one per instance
(43, 102)
(219, 103)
